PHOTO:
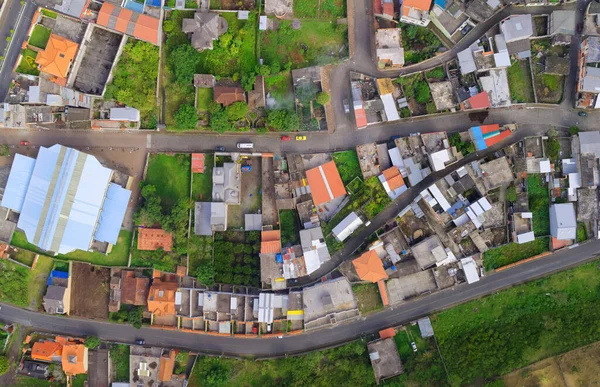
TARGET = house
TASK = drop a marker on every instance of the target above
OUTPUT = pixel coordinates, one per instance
(226, 95)
(478, 101)
(517, 29)
(204, 81)
(522, 226)
(57, 57)
(466, 61)
(134, 290)
(161, 297)
(204, 28)
(439, 159)
(124, 114)
(485, 136)
(226, 184)
(94, 211)
(588, 84)
(325, 183)
(328, 303)
(425, 327)
(347, 226)
(256, 96)
(270, 242)
(495, 84)
(384, 9)
(74, 359)
(197, 162)
(56, 300)
(470, 269)
(47, 351)
(154, 239)
(430, 252)
(563, 223)
(166, 365)
(415, 12)
(35, 369)
(140, 26)
(443, 95)
(314, 248)
(209, 217)
(562, 22)
(369, 267)
(385, 359)
(390, 54)
(557, 65)
(392, 182)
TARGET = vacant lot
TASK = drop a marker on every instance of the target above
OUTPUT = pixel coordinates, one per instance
(119, 354)
(91, 281)
(513, 252)
(13, 283)
(539, 204)
(40, 36)
(421, 368)
(314, 43)
(548, 87)
(348, 165)
(289, 223)
(202, 182)
(367, 298)
(519, 82)
(170, 174)
(200, 250)
(419, 43)
(36, 288)
(26, 257)
(314, 9)
(515, 327)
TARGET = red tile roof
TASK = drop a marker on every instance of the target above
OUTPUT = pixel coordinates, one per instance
(388, 9)
(480, 101)
(325, 183)
(361, 117)
(227, 95)
(496, 139)
(120, 19)
(154, 239)
(387, 333)
(46, 350)
(134, 291)
(485, 129)
(198, 162)
(369, 267)
(270, 242)
(422, 5)
(165, 369)
(57, 57)
(393, 177)
(377, 7)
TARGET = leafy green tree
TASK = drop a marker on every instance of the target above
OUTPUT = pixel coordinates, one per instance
(275, 67)
(553, 149)
(150, 213)
(283, 120)
(248, 81)
(422, 92)
(323, 98)
(185, 60)
(186, 117)
(92, 342)
(205, 274)
(214, 107)
(236, 111)
(135, 316)
(264, 70)
(511, 193)
(168, 26)
(220, 123)
(4, 365)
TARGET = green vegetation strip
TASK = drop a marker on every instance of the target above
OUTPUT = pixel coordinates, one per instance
(519, 82)
(27, 64)
(514, 252)
(202, 182)
(50, 14)
(290, 227)
(348, 165)
(119, 354)
(539, 204)
(510, 329)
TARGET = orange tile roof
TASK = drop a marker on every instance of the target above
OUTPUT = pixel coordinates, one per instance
(393, 177)
(325, 183)
(369, 267)
(75, 359)
(383, 292)
(270, 242)
(227, 95)
(134, 291)
(165, 369)
(57, 57)
(154, 239)
(387, 333)
(161, 298)
(46, 350)
(422, 5)
(122, 19)
(198, 162)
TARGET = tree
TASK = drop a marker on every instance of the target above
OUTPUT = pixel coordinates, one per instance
(185, 60)
(4, 365)
(168, 26)
(553, 149)
(283, 120)
(323, 98)
(135, 316)
(511, 193)
(236, 111)
(248, 81)
(205, 274)
(92, 342)
(186, 117)
(220, 123)
(574, 130)
(151, 212)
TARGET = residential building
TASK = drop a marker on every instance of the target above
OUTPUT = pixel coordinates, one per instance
(328, 303)
(57, 57)
(154, 239)
(588, 84)
(495, 84)
(204, 81)
(94, 210)
(522, 227)
(562, 22)
(369, 267)
(54, 300)
(563, 223)
(226, 95)
(74, 359)
(443, 95)
(415, 12)
(209, 217)
(204, 28)
(466, 60)
(314, 248)
(517, 29)
(390, 54)
(430, 252)
(385, 359)
(347, 226)
(392, 182)
(47, 351)
(325, 183)
(470, 269)
(226, 184)
(35, 369)
(384, 9)
(270, 242)
(161, 296)
(140, 26)
(124, 114)
(134, 290)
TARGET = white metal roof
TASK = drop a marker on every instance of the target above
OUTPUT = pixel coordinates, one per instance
(439, 197)
(525, 237)
(439, 159)
(470, 269)
(312, 261)
(124, 114)
(18, 182)
(347, 226)
(390, 107)
(112, 214)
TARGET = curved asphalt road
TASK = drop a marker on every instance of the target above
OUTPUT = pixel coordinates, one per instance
(293, 345)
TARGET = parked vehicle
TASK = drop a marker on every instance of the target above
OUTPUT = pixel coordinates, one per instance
(346, 107)
(582, 114)
(140, 341)
(414, 346)
(246, 168)
(280, 337)
(24, 143)
(220, 149)
(245, 145)
(300, 138)
(285, 138)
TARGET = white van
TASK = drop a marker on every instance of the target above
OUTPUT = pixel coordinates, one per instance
(245, 145)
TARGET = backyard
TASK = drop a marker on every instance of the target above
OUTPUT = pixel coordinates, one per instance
(119, 354)
(289, 223)
(519, 82)
(417, 92)
(367, 298)
(314, 9)
(513, 252)
(236, 259)
(419, 43)
(27, 64)
(347, 165)
(510, 329)
(204, 97)
(548, 87)
(40, 36)
(539, 202)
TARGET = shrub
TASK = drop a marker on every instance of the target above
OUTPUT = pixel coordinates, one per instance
(186, 117)
(4, 365)
(92, 342)
(236, 111)
(323, 98)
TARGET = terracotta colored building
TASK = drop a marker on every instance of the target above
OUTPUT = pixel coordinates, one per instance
(58, 56)
(154, 239)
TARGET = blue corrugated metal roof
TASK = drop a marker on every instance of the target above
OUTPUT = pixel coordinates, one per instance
(478, 136)
(154, 3)
(112, 214)
(18, 181)
(56, 274)
(134, 6)
(440, 3)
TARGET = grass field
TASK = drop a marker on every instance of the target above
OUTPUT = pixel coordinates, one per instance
(309, 9)
(79, 380)
(26, 257)
(118, 256)
(119, 354)
(513, 252)
(14, 283)
(510, 329)
(171, 177)
(36, 287)
(205, 96)
(202, 182)
(421, 368)
(289, 223)
(39, 37)
(312, 44)
(27, 64)
(50, 14)
(519, 82)
(539, 202)
(367, 298)
(348, 165)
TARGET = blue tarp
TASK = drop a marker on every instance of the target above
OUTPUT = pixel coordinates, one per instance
(18, 182)
(112, 214)
(478, 136)
(440, 3)
(134, 6)
(56, 274)
(154, 3)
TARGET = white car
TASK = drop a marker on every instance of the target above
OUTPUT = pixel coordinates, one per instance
(414, 346)
(280, 337)
(346, 107)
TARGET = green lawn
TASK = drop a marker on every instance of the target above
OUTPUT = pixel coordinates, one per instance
(514, 252)
(14, 281)
(36, 286)
(50, 14)
(27, 64)
(79, 380)
(119, 354)
(39, 37)
(289, 223)
(202, 182)
(309, 9)
(421, 368)
(205, 96)
(119, 255)
(510, 329)
(312, 44)
(519, 82)
(367, 298)
(171, 177)
(348, 165)
(26, 257)
(539, 204)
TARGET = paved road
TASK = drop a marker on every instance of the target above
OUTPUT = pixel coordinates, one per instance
(399, 314)
(12, 16)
